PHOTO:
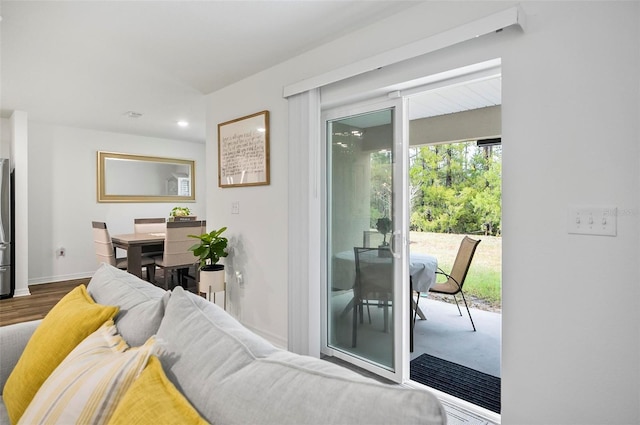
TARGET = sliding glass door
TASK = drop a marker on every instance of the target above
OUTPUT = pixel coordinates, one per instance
(366, 216)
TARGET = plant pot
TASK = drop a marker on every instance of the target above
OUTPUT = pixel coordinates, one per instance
(384, 251)
(211, 279)
(182, 218)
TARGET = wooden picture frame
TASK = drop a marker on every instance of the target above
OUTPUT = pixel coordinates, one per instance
(243, 151)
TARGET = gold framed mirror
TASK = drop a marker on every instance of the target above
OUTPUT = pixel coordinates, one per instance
(139, 178)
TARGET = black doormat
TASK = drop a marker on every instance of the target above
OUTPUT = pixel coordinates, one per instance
(459, 381)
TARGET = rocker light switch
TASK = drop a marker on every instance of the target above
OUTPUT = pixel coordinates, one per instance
(590, 220)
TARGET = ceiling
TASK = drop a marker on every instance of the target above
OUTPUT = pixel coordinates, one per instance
(87, 63)
(449, 99)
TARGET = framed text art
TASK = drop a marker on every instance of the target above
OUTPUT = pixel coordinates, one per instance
(243, 151)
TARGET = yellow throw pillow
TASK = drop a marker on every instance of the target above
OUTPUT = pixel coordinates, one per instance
(70, 321)
(153, 400)
(90, 381)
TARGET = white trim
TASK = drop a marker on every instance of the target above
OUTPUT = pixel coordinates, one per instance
(486, 414)
(60, 278)
(400, 365)
(401, 226)
(316, 271)
(21, 293)
(486, 25)
(304, 318)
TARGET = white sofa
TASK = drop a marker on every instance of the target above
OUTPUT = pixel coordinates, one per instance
(229, 374)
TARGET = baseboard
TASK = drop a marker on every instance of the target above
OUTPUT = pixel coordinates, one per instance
(23, 292)
(60, 278)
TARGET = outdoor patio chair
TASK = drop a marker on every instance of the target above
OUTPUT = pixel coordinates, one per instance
(374, 280)
(455, 279)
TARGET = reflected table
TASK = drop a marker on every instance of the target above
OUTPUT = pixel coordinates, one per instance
(422, 269)
(422, 276)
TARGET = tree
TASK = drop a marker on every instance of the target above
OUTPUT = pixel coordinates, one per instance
(456, 188)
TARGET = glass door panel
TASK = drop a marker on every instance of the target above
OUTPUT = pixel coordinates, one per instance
(364, 262)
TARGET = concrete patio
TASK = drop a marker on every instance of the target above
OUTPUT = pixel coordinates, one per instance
(443, 334)
(448, 335)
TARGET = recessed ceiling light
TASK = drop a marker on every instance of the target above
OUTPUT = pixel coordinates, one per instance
(132, 114)
(183, 123)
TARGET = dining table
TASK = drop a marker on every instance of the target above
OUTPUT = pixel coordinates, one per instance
(137, 244)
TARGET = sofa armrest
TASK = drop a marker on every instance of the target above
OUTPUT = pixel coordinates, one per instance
(13, 339)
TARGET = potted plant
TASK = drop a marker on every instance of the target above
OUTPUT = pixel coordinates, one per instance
(179, 212)
(209, 250)
(383, 225)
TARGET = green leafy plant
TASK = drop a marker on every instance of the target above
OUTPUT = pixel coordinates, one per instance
(383, 225)
(211, 248)
(180, 211)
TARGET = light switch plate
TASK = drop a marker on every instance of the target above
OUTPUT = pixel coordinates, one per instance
(592, 220)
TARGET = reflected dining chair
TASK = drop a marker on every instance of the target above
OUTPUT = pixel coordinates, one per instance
(106, 253)
(374, 280)
(455, 279)
(176, 256)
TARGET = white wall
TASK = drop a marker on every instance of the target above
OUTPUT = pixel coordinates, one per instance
(258, 234)
(5, 138)
(571, 90)
(62, 195)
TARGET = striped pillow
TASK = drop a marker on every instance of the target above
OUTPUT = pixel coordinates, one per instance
(90, 381)
(72, 319)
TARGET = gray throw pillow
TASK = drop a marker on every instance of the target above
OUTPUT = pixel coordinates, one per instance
(232, 376)
(202, 346)
(141, 303)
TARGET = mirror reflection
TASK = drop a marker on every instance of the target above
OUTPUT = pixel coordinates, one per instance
(137, 178)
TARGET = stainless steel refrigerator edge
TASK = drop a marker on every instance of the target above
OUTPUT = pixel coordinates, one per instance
(6, 267)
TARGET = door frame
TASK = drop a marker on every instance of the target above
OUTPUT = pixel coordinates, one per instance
(399, 237)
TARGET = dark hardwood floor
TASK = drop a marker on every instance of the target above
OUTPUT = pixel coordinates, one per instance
(43, 297)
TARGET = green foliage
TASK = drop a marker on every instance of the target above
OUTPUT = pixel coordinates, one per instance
(211, 248)
(484, 283)
(383, 225)
(381, 186)
(456, 188)
(180, 211)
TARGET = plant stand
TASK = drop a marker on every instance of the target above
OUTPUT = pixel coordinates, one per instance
(211, 283)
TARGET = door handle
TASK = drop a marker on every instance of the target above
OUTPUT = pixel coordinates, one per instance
(393, 238)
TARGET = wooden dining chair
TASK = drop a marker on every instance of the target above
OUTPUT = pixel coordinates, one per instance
(149, 225)
(374, 280)
(176, 256)
(106, 253)
(455, 279)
